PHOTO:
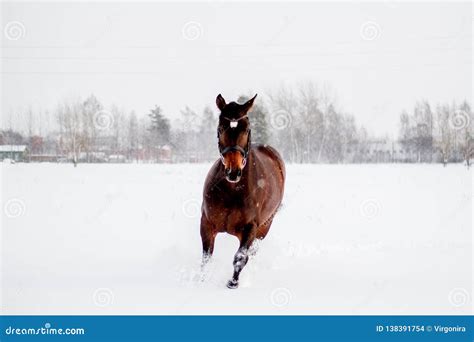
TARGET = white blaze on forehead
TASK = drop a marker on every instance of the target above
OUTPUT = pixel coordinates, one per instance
(234, 123)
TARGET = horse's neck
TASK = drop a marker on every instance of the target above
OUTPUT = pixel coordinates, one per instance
(248, 170)
(248, 173)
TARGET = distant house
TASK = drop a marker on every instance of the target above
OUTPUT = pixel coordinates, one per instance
(17, 153)
(164, 153)
(42, 158)
(117, 158)
(387, 151)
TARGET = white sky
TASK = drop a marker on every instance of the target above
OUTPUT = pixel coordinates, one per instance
(135, 55)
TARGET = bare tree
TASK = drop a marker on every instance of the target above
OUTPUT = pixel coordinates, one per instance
(207, 133)
(283, 119)
(313, 123)
(444, 133)
(69, 119)
(117, 130)
(133, 136)
(91, 108)
(464, 124)
(186, 135)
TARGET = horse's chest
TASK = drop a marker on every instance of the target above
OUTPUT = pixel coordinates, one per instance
(231, 211)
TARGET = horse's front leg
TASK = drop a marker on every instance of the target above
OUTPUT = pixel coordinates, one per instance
(242, 256)
(208, 236)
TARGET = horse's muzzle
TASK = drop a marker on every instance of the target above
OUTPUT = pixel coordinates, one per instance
(233, 175)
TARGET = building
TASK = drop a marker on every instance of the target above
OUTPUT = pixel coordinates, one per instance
(43, 158)
(387, 151)
(18, 153)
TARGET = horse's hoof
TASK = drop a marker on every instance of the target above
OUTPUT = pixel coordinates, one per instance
(232, 284)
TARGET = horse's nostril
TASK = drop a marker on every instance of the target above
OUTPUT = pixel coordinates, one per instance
(239, 173)
(228, 172)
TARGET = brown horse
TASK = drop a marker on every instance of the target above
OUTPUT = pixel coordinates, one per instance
(243, 190)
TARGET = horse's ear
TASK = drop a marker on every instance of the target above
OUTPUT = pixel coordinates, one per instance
(220, 102)
(248, 105)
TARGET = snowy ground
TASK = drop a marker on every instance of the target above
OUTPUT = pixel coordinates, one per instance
(124, 239)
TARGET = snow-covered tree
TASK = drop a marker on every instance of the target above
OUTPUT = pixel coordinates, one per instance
(160, 127)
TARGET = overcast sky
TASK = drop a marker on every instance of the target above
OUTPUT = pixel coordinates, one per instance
(379, 57)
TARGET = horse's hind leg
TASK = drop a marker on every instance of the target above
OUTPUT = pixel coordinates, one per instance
(242, 256)
(262, 231)
(208, 236)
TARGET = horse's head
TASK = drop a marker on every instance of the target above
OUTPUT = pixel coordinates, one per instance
(233, 134)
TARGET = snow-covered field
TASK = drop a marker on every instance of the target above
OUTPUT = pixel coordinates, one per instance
(124, 239)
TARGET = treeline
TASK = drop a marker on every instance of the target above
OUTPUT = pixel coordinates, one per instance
(443, 134)
(303, 122)
(87, 131)
(310, 128)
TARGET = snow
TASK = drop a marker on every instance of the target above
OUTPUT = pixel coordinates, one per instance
(124, 239)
